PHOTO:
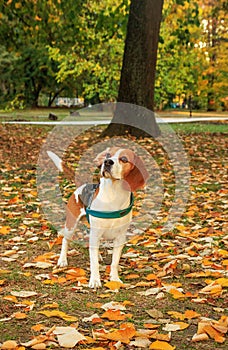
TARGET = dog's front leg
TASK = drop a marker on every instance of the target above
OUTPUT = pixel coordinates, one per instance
(62, 262)
(116, 254)
(94, 281)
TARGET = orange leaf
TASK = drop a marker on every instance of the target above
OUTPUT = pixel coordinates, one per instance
(19, 315)
(176, 294)
(161, 345)
(151, 277)
(214, 334)
(132, 276)
(38, 327)
(124, 334)
(189, 314)
(113, 285)
(151, 325)
(115, 315)
(4, 230)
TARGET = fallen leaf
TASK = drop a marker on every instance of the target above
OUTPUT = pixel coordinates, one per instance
(38, 327)
(68, 337)
(60, 314)
(115, 315)
(113, 305)
(140, 343)
(23, 294)
(39, 346)
(154, 313)
(124, 334)
(20, 315)
(200, 337)
(113, 285)
(161, 345)
(4, 230)
(213, 333)
(94, 319)
(9, 344)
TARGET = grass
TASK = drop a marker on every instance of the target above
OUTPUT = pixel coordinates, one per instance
(200, 127)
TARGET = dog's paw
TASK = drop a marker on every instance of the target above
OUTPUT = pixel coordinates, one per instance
(62, 263)
(115, 279)
(94, 283)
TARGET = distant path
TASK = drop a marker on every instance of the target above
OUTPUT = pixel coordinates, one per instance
(160, 120)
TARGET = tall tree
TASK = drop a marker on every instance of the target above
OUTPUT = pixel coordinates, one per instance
(138, 70)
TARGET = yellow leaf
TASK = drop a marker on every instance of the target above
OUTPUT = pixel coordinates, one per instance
(10, 298)
(50, 306)
(2, 272)
(161, 345)
(4, 230)
(60, 314)
(182, 325)
(176, 294)
(113, 285)
(222, 282)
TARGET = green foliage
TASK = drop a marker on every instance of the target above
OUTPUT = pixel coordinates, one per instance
(75, 48)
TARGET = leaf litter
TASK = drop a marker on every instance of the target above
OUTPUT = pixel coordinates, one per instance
(174, 290)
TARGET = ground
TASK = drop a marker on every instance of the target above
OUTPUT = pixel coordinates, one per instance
(174, 283)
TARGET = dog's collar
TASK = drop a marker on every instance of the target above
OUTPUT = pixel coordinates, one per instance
(116, 214)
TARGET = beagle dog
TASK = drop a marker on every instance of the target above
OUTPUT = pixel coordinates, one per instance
(108, 206)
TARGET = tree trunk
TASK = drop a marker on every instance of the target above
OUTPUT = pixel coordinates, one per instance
(138, 70)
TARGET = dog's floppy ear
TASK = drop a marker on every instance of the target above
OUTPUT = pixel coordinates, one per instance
(137, 177)
(101, 157)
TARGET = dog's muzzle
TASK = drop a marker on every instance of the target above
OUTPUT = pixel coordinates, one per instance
(108, 163)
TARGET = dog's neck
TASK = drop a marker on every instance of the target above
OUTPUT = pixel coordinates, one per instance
(111, 196)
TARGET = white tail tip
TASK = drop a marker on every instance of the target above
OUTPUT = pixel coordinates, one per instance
(56, 160)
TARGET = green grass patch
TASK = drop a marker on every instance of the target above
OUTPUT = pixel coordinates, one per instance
(200, 127)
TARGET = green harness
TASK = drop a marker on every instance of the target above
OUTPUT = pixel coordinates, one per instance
(87, 197)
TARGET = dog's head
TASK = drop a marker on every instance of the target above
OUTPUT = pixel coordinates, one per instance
(122, 164)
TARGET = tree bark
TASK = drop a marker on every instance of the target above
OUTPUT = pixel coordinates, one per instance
(138, 70)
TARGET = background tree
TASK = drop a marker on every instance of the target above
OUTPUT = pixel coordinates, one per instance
(214, 43)
(138, 70)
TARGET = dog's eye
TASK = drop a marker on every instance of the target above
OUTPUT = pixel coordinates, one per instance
(108, 155)
(124, 159)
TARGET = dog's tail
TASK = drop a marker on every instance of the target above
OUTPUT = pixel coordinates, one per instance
(56, 160)
(61, 166)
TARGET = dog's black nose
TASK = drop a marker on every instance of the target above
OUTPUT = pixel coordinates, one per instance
(108, 162)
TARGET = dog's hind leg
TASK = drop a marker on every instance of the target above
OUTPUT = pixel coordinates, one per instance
(74, 212)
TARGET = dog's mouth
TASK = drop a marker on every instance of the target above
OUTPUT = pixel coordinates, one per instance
(107, 173)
